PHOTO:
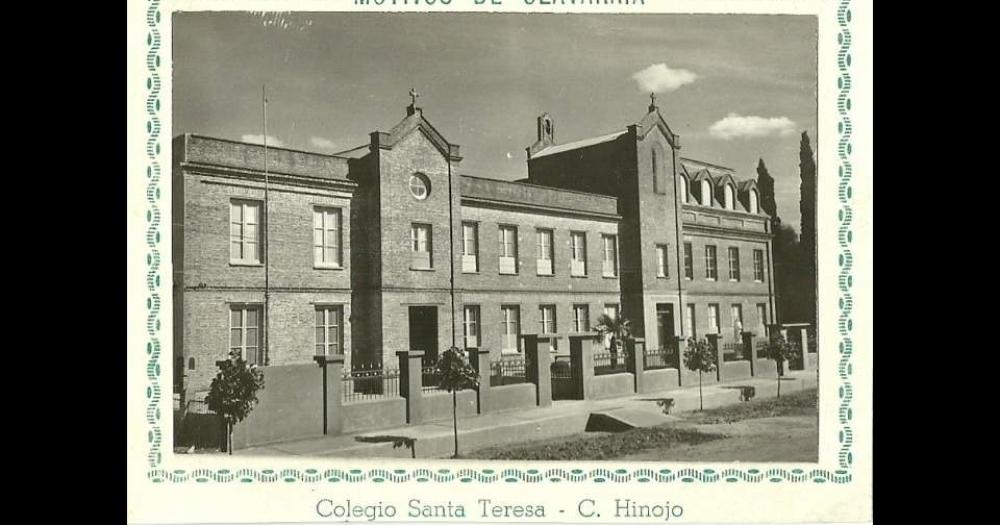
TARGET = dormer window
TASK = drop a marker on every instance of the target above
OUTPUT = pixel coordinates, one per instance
(754, 205)
(729, 197)
(685, 193)
(706, 193)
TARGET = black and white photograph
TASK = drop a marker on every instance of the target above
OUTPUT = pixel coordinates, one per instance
(495, 236)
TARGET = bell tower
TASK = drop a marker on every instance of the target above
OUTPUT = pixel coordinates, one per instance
(546, 134)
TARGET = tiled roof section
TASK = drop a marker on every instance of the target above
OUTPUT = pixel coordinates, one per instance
(583, 143)
(242, 155)
(694, 166)
(533, 195)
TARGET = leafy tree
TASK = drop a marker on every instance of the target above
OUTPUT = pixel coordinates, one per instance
(765, 184)
(233, 392)
(780, 350)
(619, 328)
(807, 229)
(456, 374)
(700, 357)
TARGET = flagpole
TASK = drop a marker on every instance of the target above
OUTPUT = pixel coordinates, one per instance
(267, 238)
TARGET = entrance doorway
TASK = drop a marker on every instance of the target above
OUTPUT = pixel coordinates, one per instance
(665, 334)
(424, 332)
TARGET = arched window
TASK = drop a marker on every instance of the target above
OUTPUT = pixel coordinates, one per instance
(656, 174)
(730, 197)
(706, 193)
(685, 195)
(754, 206)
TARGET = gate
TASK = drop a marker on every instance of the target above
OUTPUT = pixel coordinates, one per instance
(564, 384)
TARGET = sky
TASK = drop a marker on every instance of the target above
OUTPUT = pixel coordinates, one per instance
(736, 88)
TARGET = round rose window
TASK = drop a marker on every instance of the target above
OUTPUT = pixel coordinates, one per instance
(420, 186)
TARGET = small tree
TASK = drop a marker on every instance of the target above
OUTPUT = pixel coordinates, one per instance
(700, 357)
(233, 393)
(619, 328)
(781, 350)
(456, 374)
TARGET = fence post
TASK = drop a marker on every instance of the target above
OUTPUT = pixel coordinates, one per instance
(750, 352)
(636, 353)
(411, 383)
(681, 343)
(333, 400)
(713, 339)
(538, 369)
(583, 364)
(806, 362)
(479, 358)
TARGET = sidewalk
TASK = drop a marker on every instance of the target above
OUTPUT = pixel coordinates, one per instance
(435, 439)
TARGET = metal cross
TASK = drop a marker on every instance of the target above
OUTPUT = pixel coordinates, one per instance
(652, 99)
(413, 96)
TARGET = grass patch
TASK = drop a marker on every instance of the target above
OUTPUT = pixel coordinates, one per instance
(605, 446)
(800, 403)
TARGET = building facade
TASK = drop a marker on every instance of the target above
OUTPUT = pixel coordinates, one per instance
(283, 255)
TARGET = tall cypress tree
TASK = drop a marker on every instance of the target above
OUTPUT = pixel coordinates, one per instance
(807, 230)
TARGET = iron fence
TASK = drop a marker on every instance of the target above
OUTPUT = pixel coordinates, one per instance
(430, 378)
(609, 363)
(663, 357)
(733, 352)
(508, 370)
(762, 349)
(370, 381)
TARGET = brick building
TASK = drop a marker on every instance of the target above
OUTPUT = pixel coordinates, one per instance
(389, 247)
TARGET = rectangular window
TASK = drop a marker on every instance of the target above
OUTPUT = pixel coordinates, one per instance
(713, 318)
(689, 322)
(662, 264)
(761, 319)
(327, 238)
(578, 260)
(711, 267)
(688, 261)
(544, 242)
(330, 330)
(244, 232)
(470, 247)
(610, 249)
(758, 265)
(421, 237)
(581, 318)
(510, 320)
(734, 263)
(547, 319)
(508, 250)
(245, 334)
(471, 325)
(736, 312)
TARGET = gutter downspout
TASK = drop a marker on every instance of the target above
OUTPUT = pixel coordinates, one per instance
(451, 246)
(678, 246)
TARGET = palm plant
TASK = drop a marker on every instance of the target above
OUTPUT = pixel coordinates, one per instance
(619, 328)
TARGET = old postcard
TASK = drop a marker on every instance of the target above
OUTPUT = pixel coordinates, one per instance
(548, 261)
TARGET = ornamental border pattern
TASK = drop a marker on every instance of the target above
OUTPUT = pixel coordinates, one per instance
(158, 474)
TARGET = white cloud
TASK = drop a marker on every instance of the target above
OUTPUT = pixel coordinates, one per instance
(736, 126)
(259, 139)
(321, 142)
(658, 78)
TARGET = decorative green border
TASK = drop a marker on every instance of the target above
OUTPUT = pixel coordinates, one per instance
(158, 474)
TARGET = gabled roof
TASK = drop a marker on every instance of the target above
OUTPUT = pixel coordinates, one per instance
(415, 121)
(582, 143)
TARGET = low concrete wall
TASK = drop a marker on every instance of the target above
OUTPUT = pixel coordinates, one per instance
(811, 360)
(290, 407)
(374, 414)
(437, 405)
(611, 385)
(661, 379)
(510, 397)
(690, 378)
(735, 370)
(765, 368)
